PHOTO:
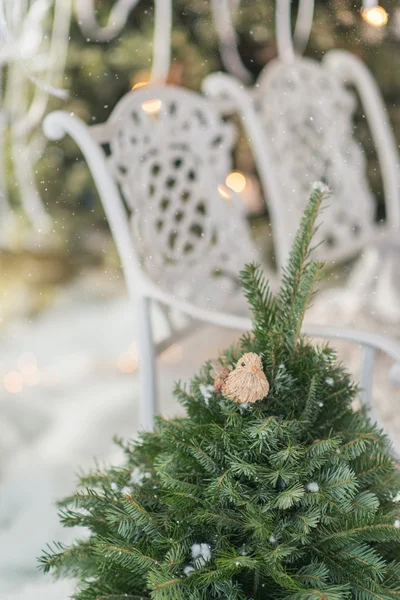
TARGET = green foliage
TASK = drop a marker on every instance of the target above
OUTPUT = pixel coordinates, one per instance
(292, 497)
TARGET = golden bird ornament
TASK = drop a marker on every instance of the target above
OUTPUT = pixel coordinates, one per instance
(246, 383)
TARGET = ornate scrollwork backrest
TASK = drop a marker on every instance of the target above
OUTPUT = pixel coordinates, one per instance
(168, 150)
(307, 116)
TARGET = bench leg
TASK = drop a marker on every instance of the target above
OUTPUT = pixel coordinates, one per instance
(147, 366)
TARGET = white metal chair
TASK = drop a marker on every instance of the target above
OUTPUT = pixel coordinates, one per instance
(298, 118)
(157, 163)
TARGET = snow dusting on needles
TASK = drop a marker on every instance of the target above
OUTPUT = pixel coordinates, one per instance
(321, 186)
(138, 477)
(206, 392)
(201, 554)
(312, 487)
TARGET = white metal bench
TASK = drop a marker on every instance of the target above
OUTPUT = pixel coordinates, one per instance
(157, 163)
(299, 121)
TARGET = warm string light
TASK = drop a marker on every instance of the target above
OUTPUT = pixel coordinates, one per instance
(375, 15)
(127, 362)
(152, 107)
(247, 189)
(27, 374)
(224, 192)
(236, 181)
(139, 84)
(140, 79)
(13, 382)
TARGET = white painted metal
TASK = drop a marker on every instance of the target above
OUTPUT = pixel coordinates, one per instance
(306, 115)
(147, 362)
(86, 13)
(222, 15)
(366, 376)
(350, 70)
(161, 41)
(173, 130)
(370, 344)
(55, 67)
(34, 64)
(303, 25)
(180, 242)
(369, 4)
(284, 31)
(288, 46)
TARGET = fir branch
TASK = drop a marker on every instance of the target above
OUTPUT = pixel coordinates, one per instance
(260, 298)
(300, 275)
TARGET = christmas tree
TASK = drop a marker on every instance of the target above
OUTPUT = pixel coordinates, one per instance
(290, 496)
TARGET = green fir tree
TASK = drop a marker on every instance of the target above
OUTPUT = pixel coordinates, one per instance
(292, 497)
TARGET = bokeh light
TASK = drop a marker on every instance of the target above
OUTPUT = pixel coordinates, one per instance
(375, 16)
(236, 181)
(151, 107)
(13, 382)
(224, 192)
(127, 362)
(139, 84)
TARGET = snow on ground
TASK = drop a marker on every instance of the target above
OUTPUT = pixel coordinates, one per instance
(49, 431)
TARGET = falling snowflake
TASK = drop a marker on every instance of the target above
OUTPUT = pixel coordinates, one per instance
(329, 381)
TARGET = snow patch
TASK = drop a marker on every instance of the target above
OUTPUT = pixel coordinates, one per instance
(312, 487)
(137, 476)
(201, 554)
(206, 391)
